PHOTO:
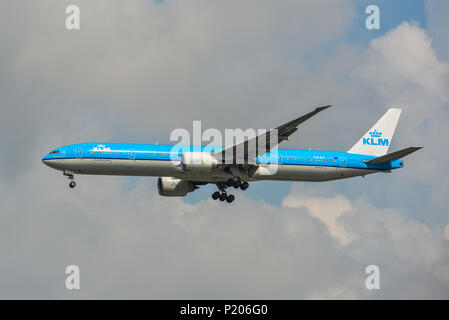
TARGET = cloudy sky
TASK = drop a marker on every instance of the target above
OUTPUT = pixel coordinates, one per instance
(138, 69)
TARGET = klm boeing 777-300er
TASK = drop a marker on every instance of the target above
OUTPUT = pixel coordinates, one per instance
(182, 169)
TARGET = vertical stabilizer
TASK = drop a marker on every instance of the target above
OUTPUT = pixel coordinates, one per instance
(377, 140)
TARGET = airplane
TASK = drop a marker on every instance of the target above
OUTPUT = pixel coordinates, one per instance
(182, 170)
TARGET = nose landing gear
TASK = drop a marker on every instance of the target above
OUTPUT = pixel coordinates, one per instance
(70, 176)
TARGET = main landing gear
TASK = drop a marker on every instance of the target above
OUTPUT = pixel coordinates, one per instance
(70, 175)
(222, 195)
(237, 184)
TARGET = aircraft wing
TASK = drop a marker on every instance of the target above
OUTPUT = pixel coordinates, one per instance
(246, 151)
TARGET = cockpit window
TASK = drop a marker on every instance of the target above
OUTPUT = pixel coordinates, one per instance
(54, 152)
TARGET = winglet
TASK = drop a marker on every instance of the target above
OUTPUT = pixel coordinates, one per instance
(318, 109)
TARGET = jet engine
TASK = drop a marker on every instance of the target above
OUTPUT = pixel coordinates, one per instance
(172, 187)
(198, 162)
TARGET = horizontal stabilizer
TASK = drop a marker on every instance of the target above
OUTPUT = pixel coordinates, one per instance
(393, 156)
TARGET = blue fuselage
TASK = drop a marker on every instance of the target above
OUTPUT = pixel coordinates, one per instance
(163, 160)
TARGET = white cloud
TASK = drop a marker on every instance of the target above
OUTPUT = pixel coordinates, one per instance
(327, 210)
(446, 232)
(404, 68)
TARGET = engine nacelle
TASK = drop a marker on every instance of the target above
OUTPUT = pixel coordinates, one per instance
(172, 187)
(198, 162)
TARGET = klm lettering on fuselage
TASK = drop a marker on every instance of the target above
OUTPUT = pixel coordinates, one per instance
(375, 139)
(101, 147)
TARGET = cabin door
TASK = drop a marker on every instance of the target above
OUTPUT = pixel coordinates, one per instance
(132, 154)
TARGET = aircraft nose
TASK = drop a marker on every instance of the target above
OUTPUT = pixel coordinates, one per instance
(45, 160)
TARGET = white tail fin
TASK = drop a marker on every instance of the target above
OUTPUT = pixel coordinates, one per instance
(377, 140)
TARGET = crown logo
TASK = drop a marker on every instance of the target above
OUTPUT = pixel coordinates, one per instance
(375, 134)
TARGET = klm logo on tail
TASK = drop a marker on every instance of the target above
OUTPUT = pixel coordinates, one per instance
(375, 139)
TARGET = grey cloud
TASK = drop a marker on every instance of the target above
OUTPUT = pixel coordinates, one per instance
(437, 24)
(143, 246)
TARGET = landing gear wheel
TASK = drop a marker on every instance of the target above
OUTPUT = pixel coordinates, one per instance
(223, 197)
(244, 186)
(215, 195)
(230, 198)
(237, 183)
(230, 182)
(72, 184)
